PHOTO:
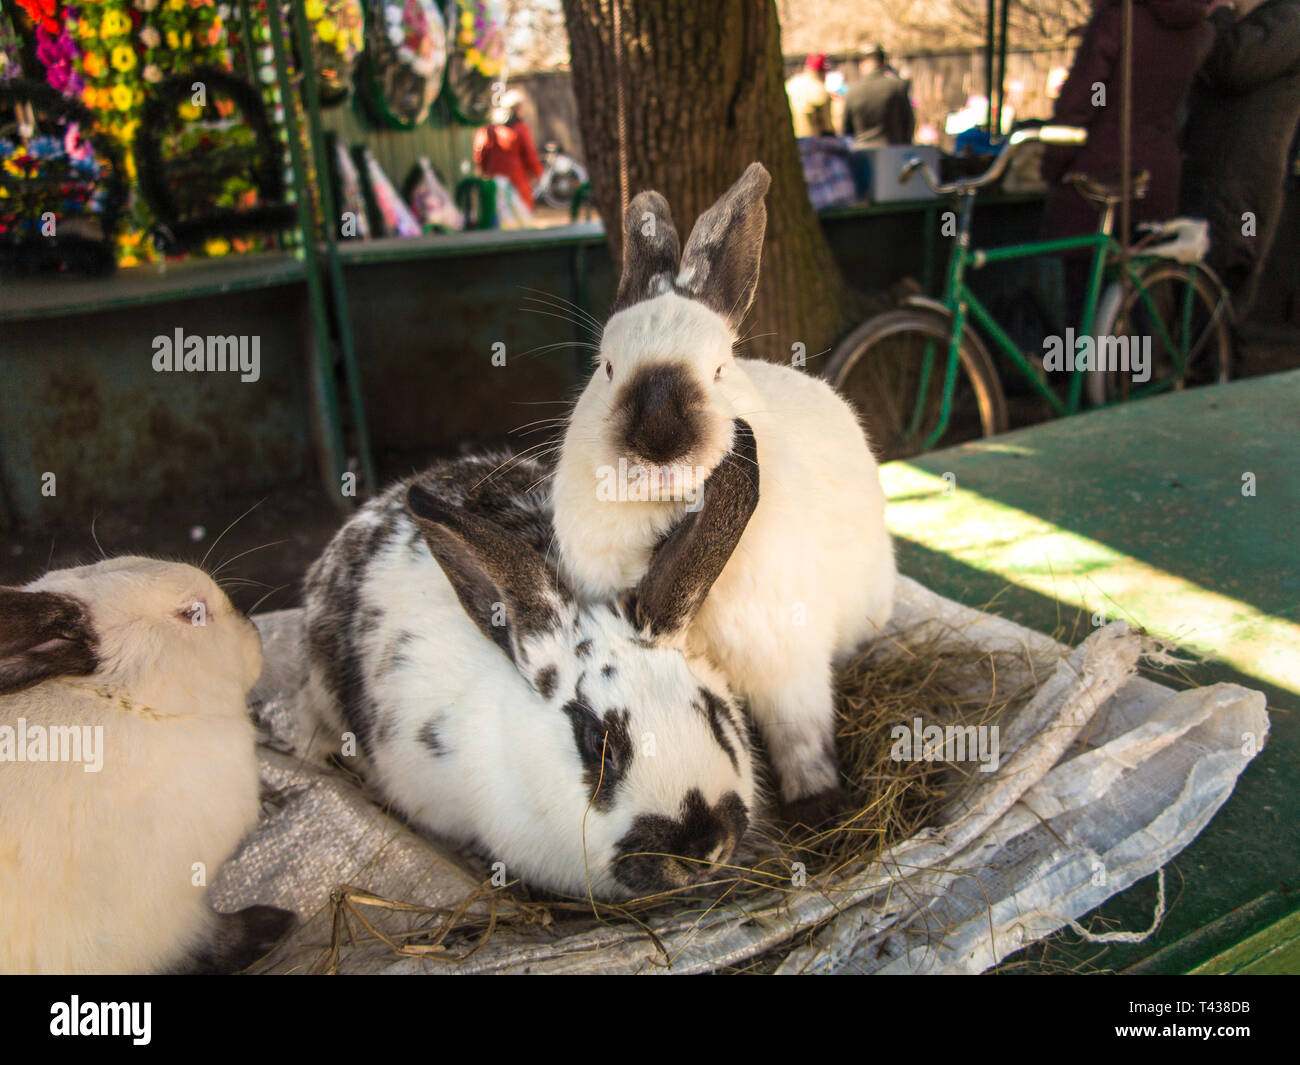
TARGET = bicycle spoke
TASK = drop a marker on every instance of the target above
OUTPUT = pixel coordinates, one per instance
(1183, 318)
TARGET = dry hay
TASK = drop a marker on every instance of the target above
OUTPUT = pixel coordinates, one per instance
(890, 801)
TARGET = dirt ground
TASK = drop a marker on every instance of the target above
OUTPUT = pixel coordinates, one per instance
(265, 542)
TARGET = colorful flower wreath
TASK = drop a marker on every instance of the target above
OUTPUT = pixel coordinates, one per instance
(57, 176)
(127, 46)
(406, 59)
(338, 37)
(481, 38)
(212, 170)
(477, 60)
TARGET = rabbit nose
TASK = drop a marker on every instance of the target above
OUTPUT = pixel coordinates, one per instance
(721, 854)
(711, 863)
(662, 413)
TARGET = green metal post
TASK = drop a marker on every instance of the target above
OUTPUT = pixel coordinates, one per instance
(330, 424)
(988, 62)
(250, 46)
(338, 289)
(1000, 77)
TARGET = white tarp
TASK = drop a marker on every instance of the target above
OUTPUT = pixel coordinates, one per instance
(1103, 778)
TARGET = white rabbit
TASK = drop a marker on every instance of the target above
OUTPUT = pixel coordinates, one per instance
(490, 708)
(127, 768)
(813, 576)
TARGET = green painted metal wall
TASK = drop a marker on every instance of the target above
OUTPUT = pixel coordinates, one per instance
(79, 394)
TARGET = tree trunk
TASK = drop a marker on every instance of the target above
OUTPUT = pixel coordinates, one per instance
(703, 97)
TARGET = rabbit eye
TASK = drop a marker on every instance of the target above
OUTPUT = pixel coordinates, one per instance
(604, 745)
(196, 613)
(595, 745)
(609, 370)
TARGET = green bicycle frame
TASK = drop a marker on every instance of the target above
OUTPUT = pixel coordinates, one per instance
(962, 303)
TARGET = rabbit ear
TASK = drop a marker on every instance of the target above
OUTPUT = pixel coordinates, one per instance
(500, 580)
(721, 259)
(650, 247)
(42, 635)
(691, 557)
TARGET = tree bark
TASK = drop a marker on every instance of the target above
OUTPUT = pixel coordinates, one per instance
(704, 96)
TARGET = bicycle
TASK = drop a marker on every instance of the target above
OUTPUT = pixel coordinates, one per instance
(561, 177)
(1173, 303)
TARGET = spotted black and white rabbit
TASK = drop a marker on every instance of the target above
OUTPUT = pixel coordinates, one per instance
(813, 576)
(136, 670)
(491, 708)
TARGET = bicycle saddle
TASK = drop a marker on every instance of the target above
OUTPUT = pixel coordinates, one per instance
(1109, 192)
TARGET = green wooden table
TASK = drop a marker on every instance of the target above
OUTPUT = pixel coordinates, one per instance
(1179, 514)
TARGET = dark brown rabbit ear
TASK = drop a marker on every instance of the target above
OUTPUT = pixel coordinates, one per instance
(693, 555)
(502, 583)
(43, 635)
(650, 247)
(721, 259)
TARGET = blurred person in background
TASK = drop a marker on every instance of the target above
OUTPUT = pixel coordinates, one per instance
(878, 106)
(505, 148)
(1171, 39)
(1244, 108)
(810, 100)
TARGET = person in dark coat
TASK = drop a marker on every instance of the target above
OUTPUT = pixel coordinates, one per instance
(1171, 39)
(1244, 108)
(878, 106)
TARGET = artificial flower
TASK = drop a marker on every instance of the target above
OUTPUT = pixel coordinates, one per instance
(58, 53)
(41, 12)
(114, 25)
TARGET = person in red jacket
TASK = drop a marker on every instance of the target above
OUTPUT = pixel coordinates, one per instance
(505, 148)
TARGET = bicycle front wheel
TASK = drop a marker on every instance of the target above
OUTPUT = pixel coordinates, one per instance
(893, 368)
(1178, 330)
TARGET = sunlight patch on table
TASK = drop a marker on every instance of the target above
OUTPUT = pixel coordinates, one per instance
(1033, 553)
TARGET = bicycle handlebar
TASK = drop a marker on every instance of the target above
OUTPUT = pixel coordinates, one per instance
(1073, 136)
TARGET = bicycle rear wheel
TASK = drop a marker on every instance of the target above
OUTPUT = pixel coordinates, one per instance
(1191, 345)
(880, 368)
